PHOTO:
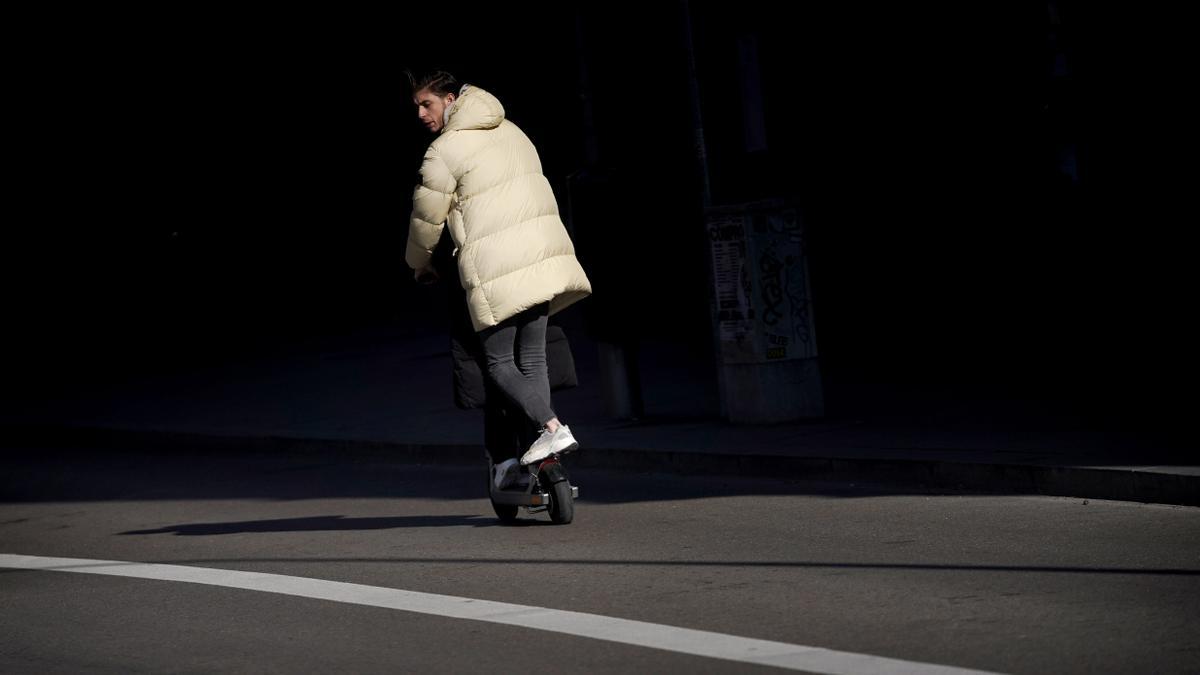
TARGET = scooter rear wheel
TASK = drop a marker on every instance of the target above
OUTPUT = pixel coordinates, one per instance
(507, 513)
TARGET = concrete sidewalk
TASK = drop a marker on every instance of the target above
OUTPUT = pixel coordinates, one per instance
(392, 393)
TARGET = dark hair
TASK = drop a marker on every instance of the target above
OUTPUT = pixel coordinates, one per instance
(439, 82)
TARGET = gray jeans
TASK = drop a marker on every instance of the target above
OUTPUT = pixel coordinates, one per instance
(516, 361)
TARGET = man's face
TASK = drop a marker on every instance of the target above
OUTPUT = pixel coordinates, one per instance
(431, 107)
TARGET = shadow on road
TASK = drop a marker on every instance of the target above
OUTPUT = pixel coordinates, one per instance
(321, 523)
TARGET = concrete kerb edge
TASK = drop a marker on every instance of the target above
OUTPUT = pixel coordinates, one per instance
(1065, 481)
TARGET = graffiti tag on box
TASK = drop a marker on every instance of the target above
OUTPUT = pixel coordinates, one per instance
(762, 292)
(735, 311)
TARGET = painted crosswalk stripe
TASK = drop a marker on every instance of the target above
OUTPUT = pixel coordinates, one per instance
(593, 626)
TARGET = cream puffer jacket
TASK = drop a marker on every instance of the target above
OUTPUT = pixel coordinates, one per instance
(483, 174)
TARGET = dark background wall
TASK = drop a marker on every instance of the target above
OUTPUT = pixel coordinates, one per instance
(192, 187)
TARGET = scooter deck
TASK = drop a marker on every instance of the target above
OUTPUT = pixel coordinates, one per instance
(516, 498)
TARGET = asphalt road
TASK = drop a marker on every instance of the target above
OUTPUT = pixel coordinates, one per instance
(996, 583)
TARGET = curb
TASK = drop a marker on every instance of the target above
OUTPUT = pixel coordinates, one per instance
(1025, 479)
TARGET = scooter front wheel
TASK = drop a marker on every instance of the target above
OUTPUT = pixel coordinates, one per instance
(562, 503)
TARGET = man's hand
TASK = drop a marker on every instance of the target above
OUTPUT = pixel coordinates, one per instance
(426, 275)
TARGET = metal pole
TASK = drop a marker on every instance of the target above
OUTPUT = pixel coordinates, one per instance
(701, 148)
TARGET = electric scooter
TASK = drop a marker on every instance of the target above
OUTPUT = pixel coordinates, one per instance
(542, 486)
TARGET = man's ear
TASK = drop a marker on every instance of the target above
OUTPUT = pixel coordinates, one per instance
(450, 99)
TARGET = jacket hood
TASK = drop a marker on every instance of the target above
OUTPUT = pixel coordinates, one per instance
(474, 109)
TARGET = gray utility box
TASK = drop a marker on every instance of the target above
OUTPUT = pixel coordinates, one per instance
(762, 314)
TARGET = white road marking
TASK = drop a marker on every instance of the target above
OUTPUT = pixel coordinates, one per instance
(594, 626)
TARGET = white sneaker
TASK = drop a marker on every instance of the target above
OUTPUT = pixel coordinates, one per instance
(561, 441)
(505, 473)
